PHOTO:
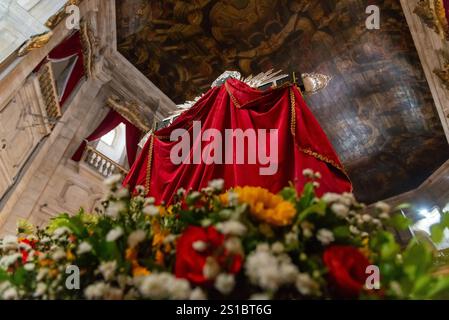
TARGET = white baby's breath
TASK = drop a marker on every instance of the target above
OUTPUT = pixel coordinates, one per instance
(225, 283)
(199, 246)
(217, 184)
(114, 209)
(135, 238)
(84, 247)
(114, 234)
(112, 180)
(151, 210)
(325, 236)
(232, 227)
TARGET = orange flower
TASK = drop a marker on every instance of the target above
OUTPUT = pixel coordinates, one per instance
(131, 254)
(139, 271)
(158, 239)
(159, 258)
(265, 206)
(45, 262)
(53, 273)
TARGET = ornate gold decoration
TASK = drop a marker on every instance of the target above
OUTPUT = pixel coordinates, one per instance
(49, 93)
(323, 158)
(131, 111)
(433, 15)
(443, 73)
(87, 42)
(150, 162)
(314, 82)
(293, 112)
(54, 20)
(35, 42)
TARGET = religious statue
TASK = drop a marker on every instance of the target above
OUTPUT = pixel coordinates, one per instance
(245, 136)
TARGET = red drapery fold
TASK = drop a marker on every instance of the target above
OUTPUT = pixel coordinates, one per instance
(133, 135)
(109, 123)
(69, 48)
(302, 144)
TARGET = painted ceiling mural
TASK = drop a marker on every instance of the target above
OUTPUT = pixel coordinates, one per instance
(377, 111)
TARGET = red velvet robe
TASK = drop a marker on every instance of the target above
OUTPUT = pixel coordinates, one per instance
(302, 144)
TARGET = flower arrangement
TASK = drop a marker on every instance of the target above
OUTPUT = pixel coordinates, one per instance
(246, 243)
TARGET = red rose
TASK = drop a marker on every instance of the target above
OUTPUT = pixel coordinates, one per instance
(347, 270)
(190, 262)
(24, 252)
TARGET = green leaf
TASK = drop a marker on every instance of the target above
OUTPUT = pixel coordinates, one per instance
(417, 260)
(439, 288)
(437, 232)
(445, 220)
(288, 194)
(385, 243)
(4, 276)
(307, 196)
(318, 208)
(19, 277)
(400, 222)
(341, 232)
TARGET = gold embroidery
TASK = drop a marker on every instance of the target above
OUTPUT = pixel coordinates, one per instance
(309, 151)
(150, 162)
(318, 156)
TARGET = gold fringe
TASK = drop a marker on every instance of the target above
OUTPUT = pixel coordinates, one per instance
(293, 112)
(150, 162)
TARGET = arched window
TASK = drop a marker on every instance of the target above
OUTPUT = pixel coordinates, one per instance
(110, 137)
(113, 145)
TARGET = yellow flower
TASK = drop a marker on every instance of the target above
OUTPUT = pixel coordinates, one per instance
(159, 235)
(69, 255)
(24, 227)
(365, 247)
(137, 269)
(266, 206)
(45, 262)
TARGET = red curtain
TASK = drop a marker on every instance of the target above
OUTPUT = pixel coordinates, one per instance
(133, 136)
(110, 122)
(69, 48)
(302, 144)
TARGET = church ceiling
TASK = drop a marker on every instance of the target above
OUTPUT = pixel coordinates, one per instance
(377, 111)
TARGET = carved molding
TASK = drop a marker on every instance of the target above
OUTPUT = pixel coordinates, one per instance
(443, 73)
(49, 94)
(88, 43)
(433, 15)
(35, 42)
(131, 111)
